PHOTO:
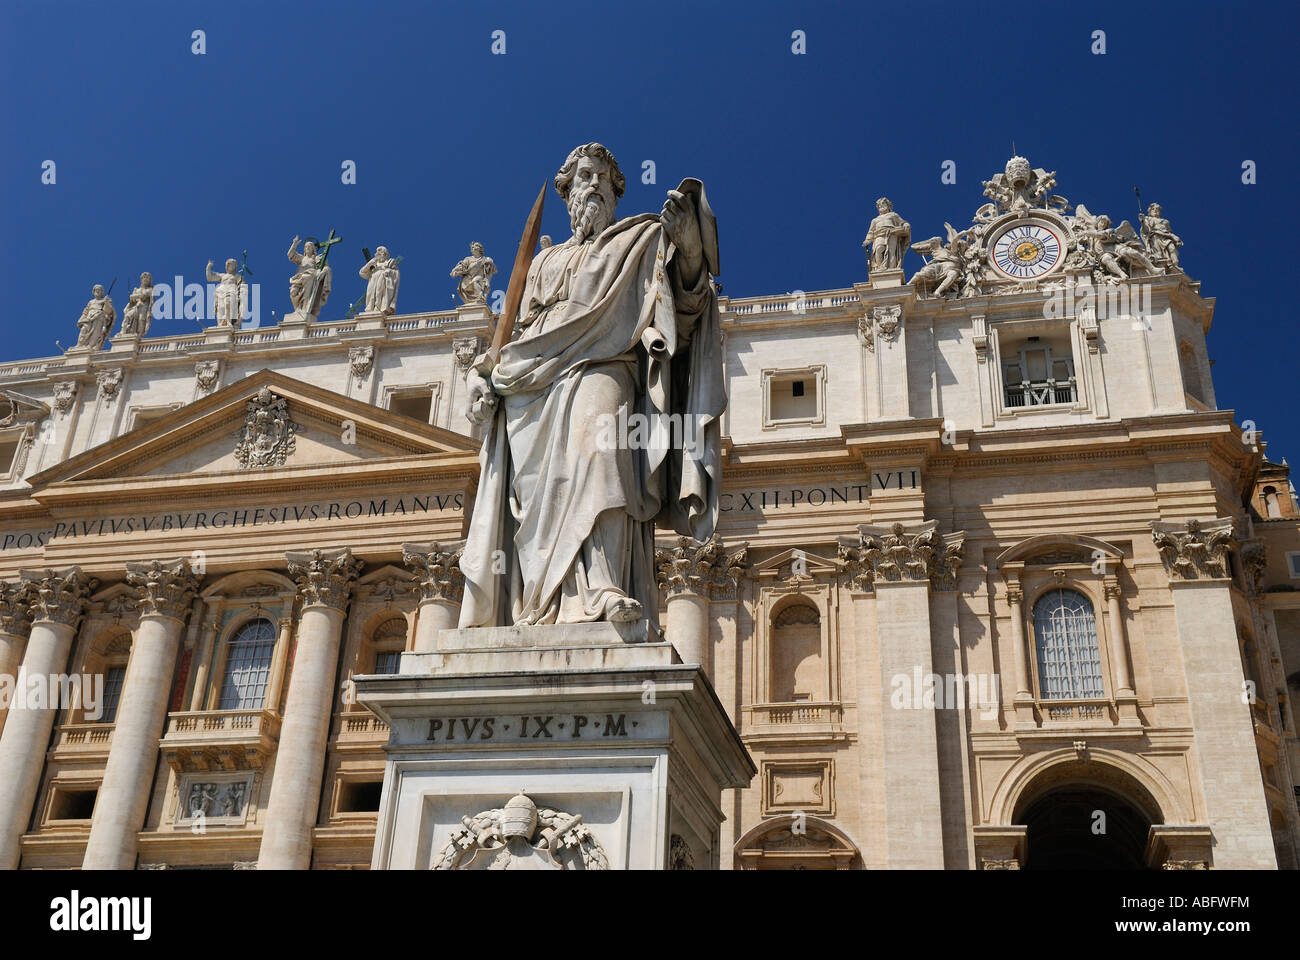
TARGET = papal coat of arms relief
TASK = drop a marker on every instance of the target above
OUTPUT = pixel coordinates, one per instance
(519, 836)
(268, 436)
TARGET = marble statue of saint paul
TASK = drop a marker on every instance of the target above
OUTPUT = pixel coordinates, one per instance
(617, 326)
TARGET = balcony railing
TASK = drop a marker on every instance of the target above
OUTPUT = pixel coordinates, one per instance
(362, 728)
(220, 739)
(1067, 710)
(84, 738)
(793, 713)
(1041, 393)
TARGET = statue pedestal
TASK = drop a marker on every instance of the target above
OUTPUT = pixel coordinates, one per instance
(220, 336)
(474, 313)
(885, 278)
(596, 721)
(124, 343)
(293, 325)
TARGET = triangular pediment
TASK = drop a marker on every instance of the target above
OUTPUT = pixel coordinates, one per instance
(781, 566)
(267, 422)
(17, 410)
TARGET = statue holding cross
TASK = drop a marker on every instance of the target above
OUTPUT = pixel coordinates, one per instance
(309, 288)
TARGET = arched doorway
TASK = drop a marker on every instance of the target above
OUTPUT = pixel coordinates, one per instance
(1087, 815)
(1078, 827)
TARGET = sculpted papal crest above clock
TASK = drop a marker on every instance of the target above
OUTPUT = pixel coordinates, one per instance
(1026, 249)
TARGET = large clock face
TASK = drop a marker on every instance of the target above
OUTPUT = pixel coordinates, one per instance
(1026, 251)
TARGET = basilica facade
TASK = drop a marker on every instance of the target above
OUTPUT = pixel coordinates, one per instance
(998, 581)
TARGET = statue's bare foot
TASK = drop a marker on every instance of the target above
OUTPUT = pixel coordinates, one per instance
(624, 610)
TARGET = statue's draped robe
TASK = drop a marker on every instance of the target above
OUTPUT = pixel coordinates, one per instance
(229, 299)
(303, 292)
(564, 522)
(381, 286)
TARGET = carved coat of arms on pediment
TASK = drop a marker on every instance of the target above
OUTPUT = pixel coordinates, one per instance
(519, 836)
(268, 436)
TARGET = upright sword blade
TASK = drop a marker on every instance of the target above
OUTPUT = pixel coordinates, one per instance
(518, 276)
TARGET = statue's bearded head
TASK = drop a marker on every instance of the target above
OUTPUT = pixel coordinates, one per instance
(98, 291)
(381, 253)
(884, 206)
(146, 279)
(231, 265)
(1153, 210)
(308, 249)
(476, 249)
(590, 183)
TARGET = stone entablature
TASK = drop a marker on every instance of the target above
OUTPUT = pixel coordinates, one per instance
(866, 376)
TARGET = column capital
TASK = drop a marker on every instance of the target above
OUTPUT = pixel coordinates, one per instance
(1194, 549)
(1015, 593)
(904, 552)
(15, 609)
(58, 596)
(703, 568)
(324, 577)
(165, 588)
(1110, 585)
(437, 567)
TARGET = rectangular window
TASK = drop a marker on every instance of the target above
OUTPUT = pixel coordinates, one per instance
(1293, 561)
(147, 415)
(417, 406)
(794, 396)
(248, 669)
(73, 804)
(1038, 373)
(113, 678)
(8, 453)
(388, 661)
(360, 796)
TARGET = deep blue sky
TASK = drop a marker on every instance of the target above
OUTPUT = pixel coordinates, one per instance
(166, 159)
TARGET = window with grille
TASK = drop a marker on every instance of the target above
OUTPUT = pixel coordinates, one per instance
(248, 667)
(113, 678)
(1035, 376)
(1069, 660)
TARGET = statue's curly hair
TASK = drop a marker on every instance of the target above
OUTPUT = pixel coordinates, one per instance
(564, 179)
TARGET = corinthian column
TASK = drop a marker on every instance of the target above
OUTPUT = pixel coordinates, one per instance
(441, 587)
(325, 579)
(689, 571)
(166, 589)
(15, 626)
(58, 602)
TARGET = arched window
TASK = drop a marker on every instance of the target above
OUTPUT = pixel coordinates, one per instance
(1271, 506)
(389, 640)
(797, 672)
(1069, 660)
(108, 655)
(248, 666)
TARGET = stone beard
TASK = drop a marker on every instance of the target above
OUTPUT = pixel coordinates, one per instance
(563, 524)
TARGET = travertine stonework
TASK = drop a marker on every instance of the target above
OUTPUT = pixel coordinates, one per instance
(919, 471)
